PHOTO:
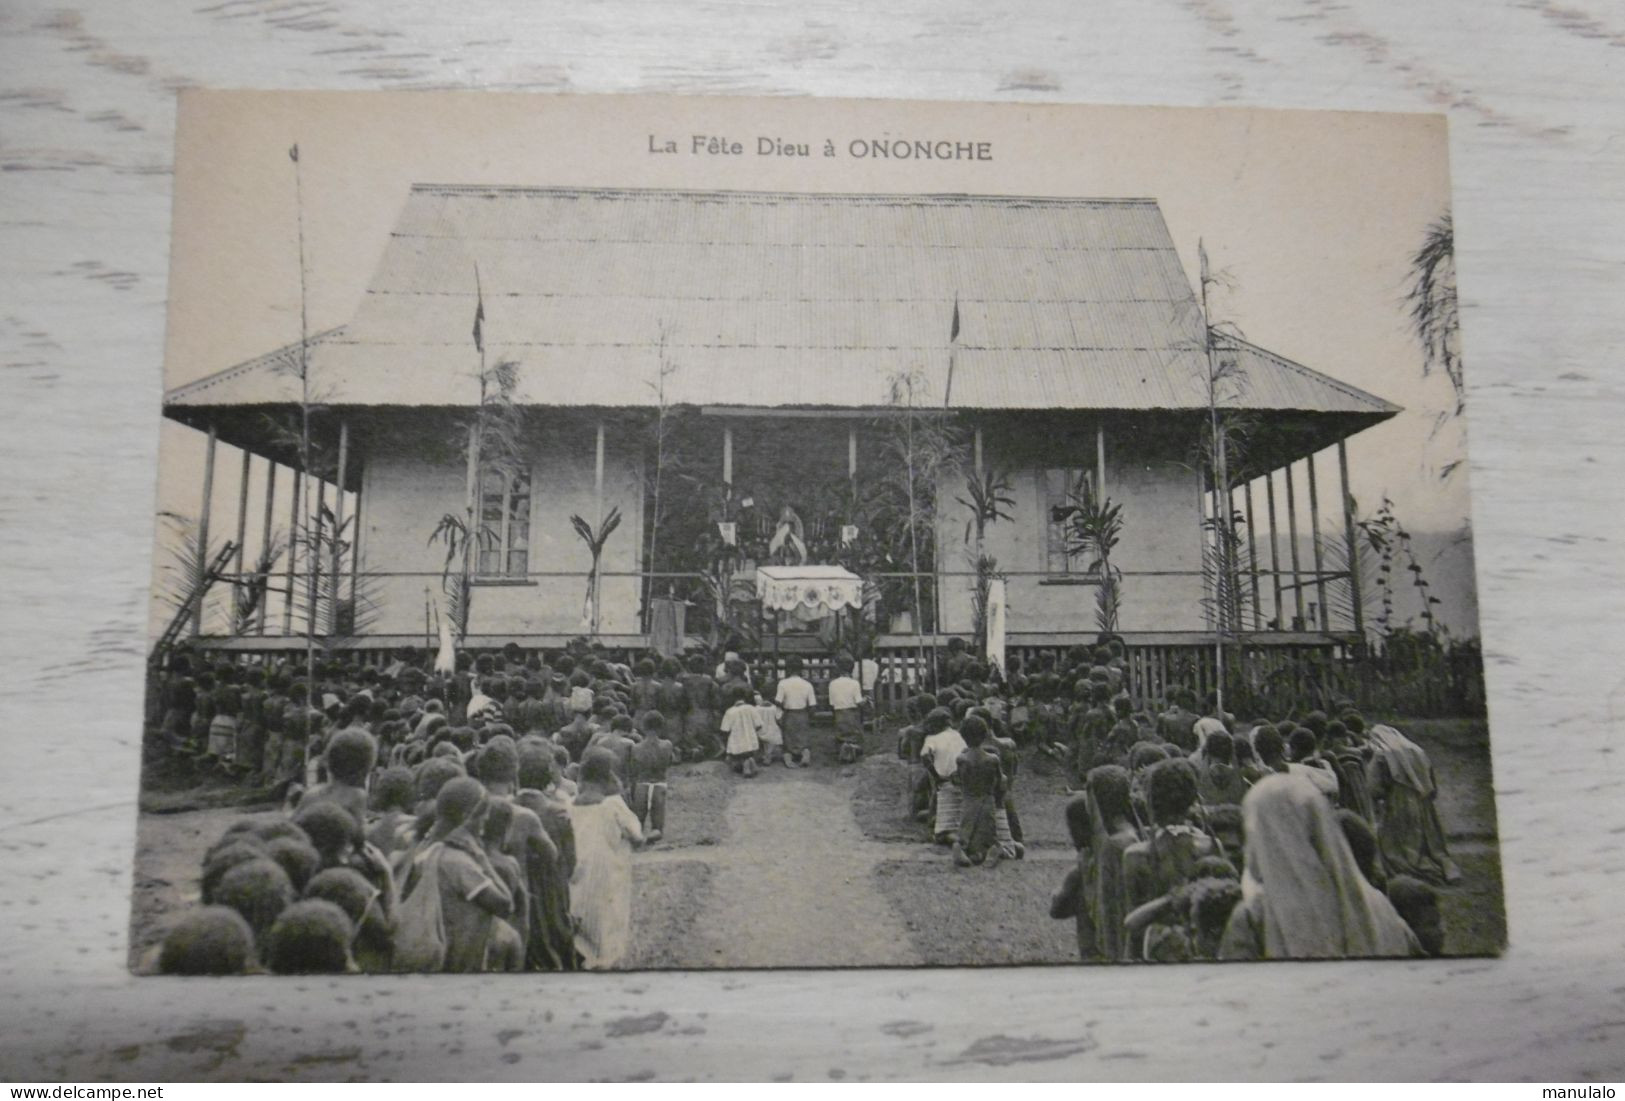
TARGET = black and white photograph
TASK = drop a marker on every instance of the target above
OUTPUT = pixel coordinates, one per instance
(834, 545)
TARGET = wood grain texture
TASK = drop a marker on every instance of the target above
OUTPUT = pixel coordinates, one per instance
(1538, 148)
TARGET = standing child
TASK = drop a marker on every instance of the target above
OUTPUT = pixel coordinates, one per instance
(846, 700)
(742, 726)
(601, 890)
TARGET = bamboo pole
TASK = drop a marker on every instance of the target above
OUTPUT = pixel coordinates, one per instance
(265, 541)
(1275, 550)
(1292, 545)
(1355, 591)
(203, 529)
(1252, 554)
(1320, 562)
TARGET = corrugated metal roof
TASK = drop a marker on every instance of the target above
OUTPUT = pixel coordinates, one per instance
(772, 300)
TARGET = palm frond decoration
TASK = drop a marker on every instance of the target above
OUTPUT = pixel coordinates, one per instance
(596, 541)
(1093, 526)
(1227, 568)
(252, 593)
(184, 567)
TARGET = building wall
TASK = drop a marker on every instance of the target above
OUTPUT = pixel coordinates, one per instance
(405, 495)
(1161, 534)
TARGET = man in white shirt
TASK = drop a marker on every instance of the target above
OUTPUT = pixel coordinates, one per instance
(796, 698)
(940, 751)
(845, 699)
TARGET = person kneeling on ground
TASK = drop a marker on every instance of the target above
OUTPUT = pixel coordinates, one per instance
(846, 700)
(980, 779)
(742, 725)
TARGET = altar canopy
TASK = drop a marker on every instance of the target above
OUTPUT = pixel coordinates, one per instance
(808, 593)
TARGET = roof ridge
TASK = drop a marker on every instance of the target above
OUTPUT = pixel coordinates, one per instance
(262, 360)
(742, 194)
(1311, 373)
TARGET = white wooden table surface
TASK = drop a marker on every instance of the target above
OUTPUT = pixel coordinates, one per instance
(1536, 98)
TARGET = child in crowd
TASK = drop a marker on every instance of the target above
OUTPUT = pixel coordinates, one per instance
(742, 725)
(771, 734)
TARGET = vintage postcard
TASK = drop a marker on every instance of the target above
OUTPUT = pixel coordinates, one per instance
(630, 533)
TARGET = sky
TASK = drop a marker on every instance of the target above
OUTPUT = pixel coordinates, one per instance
(1312, 216)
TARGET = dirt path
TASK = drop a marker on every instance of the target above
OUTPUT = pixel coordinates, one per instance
(794, 883)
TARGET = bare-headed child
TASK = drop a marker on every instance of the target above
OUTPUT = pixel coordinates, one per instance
(742, 726)
(771, 734)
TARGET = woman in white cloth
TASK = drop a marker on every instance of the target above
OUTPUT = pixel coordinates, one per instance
(1303, 896)
(606, 831)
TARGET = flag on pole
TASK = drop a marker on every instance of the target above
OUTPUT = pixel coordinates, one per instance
(953, 331)
(953, 342)
(1201, 259)
(479, 313)
(293, 152)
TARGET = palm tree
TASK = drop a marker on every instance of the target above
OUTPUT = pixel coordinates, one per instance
(988, 499)
(1432, 298)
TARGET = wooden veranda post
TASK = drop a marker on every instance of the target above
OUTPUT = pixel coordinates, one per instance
(335, 572)
(1100, 462)
(242, 525)
(1356, 594)
(1320, 561)
(314, 589)
(1298, 622)
(1275, 548)
(355, 549)
(203, 526)
(1252, 554)
(265, 541)
(293, 554)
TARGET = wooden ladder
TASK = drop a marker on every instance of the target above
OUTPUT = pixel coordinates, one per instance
(166, 641)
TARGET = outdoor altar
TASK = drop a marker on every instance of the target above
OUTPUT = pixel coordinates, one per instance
(804, 599)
